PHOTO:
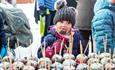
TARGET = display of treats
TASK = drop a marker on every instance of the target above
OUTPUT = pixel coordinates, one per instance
(68, 56)
(102, 61)
(96, 66)
(28, 67)
(105, 54)
(82, 66)
(109, 66)
(56, 66)
(57, 58)
(81, 58)
(69, 64)
(67, 61)
(44, 63)
(92, 55)
(18, 65)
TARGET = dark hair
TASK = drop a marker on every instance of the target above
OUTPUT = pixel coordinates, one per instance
(66, 13)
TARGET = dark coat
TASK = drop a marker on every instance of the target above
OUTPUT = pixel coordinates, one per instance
(85, 14)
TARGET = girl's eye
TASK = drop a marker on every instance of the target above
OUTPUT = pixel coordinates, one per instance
(60, 22)
(67, 22)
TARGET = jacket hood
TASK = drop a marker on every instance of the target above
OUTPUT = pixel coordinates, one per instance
(102, 4)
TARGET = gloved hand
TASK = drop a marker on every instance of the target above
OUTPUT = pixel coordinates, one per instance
(42, 10)
(3, 51)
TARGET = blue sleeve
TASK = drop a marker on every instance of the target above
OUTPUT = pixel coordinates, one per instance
(102, 25)
(49, 39)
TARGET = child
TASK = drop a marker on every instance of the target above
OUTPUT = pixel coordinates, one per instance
(64, 21)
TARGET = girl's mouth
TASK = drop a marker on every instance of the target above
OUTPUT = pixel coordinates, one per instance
(63, 32)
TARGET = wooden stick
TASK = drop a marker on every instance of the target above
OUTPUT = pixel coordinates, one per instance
(81, 49)
(94, 45)
(9, 54)
(67, 48)
(61, 46)
(105, 43)
(102, 67)
(55, 53)
(9, 51)
(71, 43)
(70, 46)
(44, 53)
(44, 48)
(87, 45)
(90, 46)
(110, 64)
(48, 65)
(114, 51)
(81, 52)
(18, 48)
(30, 48)
(89, 66)
(110, 52)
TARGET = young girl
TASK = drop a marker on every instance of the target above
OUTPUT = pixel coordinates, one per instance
(64, 21)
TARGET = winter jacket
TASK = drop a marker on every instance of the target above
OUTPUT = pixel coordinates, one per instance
(47, 3)
(103, 24)
(52, 36)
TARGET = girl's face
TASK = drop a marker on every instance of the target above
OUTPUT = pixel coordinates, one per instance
(63, 27)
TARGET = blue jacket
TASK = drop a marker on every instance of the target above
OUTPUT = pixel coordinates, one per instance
(51, 37)
(103, 24)
(47, 3)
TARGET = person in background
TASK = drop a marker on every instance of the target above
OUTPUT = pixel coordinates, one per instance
(84, 17)
(103, 25)
(46, 6)
(64, 21)
(14, 27)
